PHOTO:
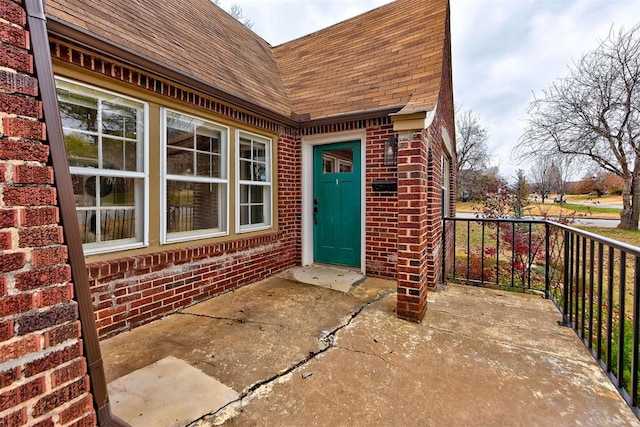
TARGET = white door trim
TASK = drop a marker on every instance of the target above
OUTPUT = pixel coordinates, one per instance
(308, 142)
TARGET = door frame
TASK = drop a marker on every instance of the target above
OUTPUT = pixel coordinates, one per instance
(308, 142)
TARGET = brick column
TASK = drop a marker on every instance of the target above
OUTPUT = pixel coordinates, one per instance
(43, 374)
(412, 225)
(419, 220)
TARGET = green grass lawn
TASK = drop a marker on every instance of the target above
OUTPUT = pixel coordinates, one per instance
(626, 236)
(592, 209)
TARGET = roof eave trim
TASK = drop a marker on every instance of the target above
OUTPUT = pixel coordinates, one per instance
(410, 119)
(80, 37)
(360, 115)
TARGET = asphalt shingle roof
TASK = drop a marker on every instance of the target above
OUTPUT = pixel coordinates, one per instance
(195, 37)
(389, 57)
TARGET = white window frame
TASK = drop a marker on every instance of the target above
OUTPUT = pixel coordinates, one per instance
(141, 208)
(268, 183)
(166, 237)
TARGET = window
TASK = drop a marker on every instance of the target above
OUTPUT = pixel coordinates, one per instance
(446, 186)
(254, 182)
(337, 161)
(105, 138)
(195, 163)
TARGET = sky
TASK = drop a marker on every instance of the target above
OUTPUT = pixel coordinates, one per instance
(503, 51)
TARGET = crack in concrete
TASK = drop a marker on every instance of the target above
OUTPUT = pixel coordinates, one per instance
(363, 352)
(239, 320)
(327, 342)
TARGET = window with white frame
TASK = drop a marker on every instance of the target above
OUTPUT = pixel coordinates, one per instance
(106, 138)
(195, 182)
(446, 186)
(254, 189)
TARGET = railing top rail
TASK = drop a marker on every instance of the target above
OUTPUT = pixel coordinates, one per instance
(507, 220)
(630, 249)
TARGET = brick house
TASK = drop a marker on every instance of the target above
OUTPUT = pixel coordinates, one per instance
(201, 159)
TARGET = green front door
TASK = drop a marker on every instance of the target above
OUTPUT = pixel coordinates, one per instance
(336, 203)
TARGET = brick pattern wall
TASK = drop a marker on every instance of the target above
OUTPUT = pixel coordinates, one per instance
(381, 208)
(420, 232)
(414, 164)
(131, 291)
(43, 374)
(128, 292)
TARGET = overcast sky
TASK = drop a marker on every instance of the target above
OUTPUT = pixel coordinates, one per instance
(503, 50)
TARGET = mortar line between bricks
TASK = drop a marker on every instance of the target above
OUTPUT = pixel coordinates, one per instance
(327, 342)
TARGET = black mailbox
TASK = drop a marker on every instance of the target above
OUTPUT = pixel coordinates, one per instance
(384, 186)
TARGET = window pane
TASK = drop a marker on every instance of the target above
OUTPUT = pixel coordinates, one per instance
(257, 214)
(340, 160)
(179, 162)
(259, 172)
(118, 154)
(208, 140)
(244, 194)
(82, 149)
(78, 111)
(259, 152)
(195, 206)
(179, 138)
(119, 191)
(119, 120)
(208, 165)
(245, 149)
(82, 185)
(244, 215)
(257, 194)
(117, 224)
(245, 170)
(87, 224)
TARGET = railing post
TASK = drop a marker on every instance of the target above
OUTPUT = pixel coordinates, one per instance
(636, 334)
(444, 249)
(621, 317)
(565, 291)
(547, 261)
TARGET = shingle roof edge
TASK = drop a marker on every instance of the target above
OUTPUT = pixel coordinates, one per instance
(87, 40)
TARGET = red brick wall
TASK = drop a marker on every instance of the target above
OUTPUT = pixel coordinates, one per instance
(420, 232)
(43, 375)
(415, 161)
(130, 291)
(381, 208)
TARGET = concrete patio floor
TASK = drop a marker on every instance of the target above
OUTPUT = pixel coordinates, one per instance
(291, 354)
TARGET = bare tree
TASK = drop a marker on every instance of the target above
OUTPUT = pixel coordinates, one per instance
(471, 149)
(594, 115)
(542, 174)
(237, 12)
(471, 142)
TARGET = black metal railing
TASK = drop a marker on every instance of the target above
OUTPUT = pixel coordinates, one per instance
(594, 281)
